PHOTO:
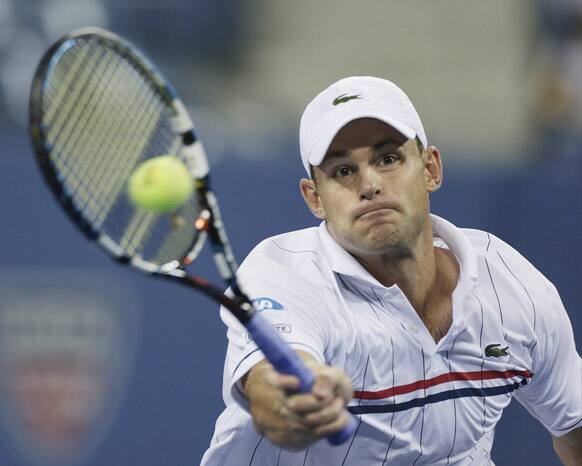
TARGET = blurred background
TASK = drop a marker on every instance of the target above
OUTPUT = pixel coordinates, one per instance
(100, 366)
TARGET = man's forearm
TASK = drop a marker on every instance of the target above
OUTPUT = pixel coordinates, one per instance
(569, 447)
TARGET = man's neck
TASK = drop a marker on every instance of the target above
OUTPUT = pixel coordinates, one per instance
(427, 275)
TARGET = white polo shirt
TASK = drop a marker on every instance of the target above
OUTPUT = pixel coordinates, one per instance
(418, 402)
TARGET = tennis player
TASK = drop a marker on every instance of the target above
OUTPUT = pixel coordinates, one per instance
(423, 330)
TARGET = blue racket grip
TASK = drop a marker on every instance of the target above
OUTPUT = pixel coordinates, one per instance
(286, 361)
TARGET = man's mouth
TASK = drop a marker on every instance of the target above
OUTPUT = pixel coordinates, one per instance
(373, 211)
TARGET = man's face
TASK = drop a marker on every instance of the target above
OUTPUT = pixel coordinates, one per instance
(372, 189)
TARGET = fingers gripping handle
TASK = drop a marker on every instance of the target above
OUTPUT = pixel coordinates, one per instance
(286, 361)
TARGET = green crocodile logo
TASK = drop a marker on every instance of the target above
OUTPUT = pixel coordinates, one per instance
(342, 99)
(495, 350)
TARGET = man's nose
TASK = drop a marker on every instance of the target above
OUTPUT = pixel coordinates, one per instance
(370, 183)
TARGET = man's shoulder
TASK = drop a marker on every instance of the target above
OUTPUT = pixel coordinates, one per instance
(291, 265)
(290, 244)
(294, 250)
(504, 264)
(484, 241)
(495, 250)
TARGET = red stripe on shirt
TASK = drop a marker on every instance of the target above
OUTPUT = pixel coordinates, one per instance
(439, 379)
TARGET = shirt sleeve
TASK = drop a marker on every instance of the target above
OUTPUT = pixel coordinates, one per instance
(555, 394)
(294, 307)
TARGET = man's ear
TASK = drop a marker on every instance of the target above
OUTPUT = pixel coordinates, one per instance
(311, 198)
(433, 169)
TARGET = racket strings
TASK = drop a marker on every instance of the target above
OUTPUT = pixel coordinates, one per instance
(102, 118)
(111, 171)
(179, 230)
(57, 115)
(66, 150)
(101, 139)
(139, 228)
(89, 188)
(94, 162)
(99, 151)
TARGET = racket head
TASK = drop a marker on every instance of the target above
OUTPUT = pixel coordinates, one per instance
(98, 109)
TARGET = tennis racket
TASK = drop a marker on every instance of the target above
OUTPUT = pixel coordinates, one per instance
(98, 109)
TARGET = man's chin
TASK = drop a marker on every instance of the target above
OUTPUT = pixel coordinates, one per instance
(380, 241)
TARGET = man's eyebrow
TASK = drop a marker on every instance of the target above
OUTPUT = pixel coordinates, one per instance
(389, 140)
(336, 154)
(375, 147)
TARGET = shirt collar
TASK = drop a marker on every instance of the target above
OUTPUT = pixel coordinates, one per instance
(344, 263)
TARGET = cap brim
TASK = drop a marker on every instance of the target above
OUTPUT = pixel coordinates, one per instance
(317, 153)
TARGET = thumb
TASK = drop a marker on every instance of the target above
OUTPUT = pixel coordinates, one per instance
(342, 383)
(345, 389)
(324, 386)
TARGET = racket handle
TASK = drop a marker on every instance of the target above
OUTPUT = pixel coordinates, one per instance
(286, 361)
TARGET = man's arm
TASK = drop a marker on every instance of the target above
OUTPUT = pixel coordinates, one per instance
(569, 447)
(295, 420)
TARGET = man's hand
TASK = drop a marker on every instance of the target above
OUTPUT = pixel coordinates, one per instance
(295, 420)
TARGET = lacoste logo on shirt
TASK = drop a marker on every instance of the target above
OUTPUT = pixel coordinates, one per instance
(495, 351)
(342, 99)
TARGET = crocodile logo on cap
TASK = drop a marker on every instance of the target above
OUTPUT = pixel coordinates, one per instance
(342, 99)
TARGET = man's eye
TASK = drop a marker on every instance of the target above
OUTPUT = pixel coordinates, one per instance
(388, 159)
(341, 172)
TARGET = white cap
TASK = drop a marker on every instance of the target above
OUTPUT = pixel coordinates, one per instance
(349, 99)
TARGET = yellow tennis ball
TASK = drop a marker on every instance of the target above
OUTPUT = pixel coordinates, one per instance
(160, 184)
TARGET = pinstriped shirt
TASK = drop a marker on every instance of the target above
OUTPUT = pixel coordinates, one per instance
(418, 402)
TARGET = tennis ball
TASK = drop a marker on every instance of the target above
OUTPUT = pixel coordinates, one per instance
(160, 184)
